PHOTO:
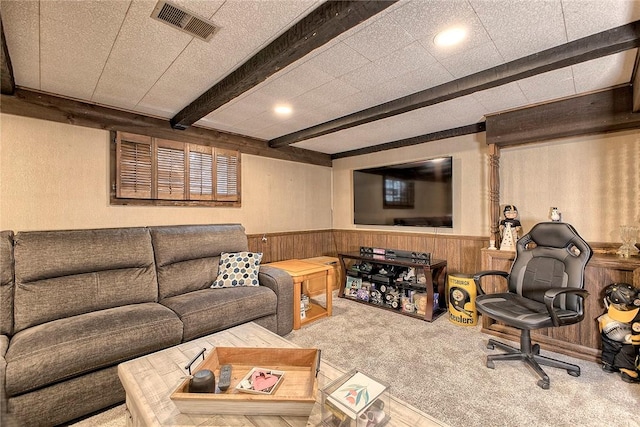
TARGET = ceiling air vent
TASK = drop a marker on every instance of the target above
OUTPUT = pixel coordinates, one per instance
(183, 20)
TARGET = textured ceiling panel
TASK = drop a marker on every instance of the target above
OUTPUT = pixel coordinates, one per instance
(422, 20)
(609, 71)
(21, 25)
(550, 85)
(338, 60)
(586, 17)
(379, 39)
(75, 42)
(476, 35)
(501, 98)
(241, 35)
(143, 51)
(473, 60)
(520, 28)
(111, 52)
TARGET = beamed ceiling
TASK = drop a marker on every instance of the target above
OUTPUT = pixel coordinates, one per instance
(359, 76)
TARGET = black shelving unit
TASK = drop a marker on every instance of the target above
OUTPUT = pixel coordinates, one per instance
(385, 282)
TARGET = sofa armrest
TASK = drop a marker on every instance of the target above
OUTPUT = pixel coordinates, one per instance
(4, 346)
(281, 283)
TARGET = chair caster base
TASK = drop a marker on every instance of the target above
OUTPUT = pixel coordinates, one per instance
(543, 384)
(530, 354)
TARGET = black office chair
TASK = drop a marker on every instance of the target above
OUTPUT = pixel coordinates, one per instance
(545, 289)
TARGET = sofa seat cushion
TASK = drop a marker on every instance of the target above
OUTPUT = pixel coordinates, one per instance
(211, 310)
(65, 348)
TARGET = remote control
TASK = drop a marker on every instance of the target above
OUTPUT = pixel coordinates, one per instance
(224, 379)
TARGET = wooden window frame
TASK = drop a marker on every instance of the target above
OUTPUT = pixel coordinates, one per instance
(126, 191)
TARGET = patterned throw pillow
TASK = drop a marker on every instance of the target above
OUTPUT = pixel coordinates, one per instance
(238, 269)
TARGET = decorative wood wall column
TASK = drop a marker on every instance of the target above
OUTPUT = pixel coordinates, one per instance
(494, 192)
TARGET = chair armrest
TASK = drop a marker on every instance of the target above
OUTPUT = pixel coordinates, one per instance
(280, 282)
(481, 274)
(550, 296)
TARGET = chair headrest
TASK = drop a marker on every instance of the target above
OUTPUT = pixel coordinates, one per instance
(558, 235)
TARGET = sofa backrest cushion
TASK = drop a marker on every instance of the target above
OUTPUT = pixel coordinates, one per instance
(6, 282)
(187, 256)
(65, 273)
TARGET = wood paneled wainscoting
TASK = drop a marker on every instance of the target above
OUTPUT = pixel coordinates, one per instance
(293, 244)
(461, 252)
(581, 340)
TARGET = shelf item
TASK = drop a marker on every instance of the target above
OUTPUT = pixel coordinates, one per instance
(413, 287)
(302, 273)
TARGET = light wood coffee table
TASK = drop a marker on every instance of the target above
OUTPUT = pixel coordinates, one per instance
(149, 380)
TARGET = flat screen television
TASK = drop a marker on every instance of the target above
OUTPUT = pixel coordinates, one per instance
(418, 194)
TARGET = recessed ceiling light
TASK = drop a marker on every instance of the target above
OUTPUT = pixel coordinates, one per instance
(282, 110)
(450, 37)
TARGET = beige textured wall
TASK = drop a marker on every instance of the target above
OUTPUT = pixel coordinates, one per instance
(593, 180)
(56, 176)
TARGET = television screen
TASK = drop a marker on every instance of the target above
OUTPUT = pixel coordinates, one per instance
(416, 194)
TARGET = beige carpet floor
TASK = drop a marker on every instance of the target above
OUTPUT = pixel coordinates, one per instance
(439, 367)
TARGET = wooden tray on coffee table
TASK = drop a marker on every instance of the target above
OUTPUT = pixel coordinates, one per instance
(295, 396)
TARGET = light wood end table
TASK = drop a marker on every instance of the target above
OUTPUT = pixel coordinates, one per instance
(302, 272)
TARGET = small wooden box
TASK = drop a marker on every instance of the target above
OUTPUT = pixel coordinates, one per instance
(295, 396)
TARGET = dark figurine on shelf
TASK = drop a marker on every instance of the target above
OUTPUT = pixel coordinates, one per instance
(510, 213)
(620, 331)
(509, 228)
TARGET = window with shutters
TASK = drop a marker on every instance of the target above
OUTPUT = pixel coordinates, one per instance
(154, 171)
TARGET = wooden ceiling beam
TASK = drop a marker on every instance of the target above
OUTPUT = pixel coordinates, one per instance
(421, 139)
(595, 46)
(45, 106)
(319, 27)
(7, 82)
(599, 112)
